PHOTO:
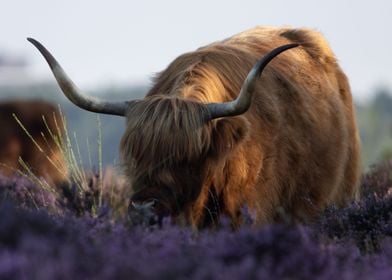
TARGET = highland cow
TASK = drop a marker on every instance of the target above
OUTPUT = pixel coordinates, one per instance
(32, 143)
(217, 132)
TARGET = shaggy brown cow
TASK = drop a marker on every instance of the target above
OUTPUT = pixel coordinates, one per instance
(288, 143)
(15, 143)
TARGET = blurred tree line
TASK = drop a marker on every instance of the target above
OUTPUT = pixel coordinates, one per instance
(375, 126)
(374, 120)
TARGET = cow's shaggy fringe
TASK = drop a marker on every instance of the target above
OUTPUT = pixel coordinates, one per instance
(175, 132)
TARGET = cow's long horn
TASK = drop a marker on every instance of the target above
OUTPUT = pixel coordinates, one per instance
(243, 101)
(73, 93)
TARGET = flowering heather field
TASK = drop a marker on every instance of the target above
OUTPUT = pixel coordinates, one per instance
(65, 235)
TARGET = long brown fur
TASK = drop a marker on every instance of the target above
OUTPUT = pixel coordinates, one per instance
(295, 151)
(15, 143)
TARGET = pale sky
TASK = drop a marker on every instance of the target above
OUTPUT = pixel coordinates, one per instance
(117, 42)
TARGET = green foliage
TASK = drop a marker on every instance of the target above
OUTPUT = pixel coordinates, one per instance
(375, 126)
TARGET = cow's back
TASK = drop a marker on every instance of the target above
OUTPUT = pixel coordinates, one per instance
(304, 102)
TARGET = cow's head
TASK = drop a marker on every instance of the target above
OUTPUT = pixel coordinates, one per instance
(168, 138)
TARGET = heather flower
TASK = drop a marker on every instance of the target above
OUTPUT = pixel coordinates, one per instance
(27, 194)
(81, 241)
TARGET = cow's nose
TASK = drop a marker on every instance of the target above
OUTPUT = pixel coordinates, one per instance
(140, 205)
(142, 213)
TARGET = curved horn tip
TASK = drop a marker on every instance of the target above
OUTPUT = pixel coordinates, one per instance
(243, 101)
(73, 93)
(32, 40)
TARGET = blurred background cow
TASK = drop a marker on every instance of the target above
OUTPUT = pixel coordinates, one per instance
(34, 144)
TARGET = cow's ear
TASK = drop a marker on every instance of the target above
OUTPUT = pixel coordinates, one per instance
(228, 133)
